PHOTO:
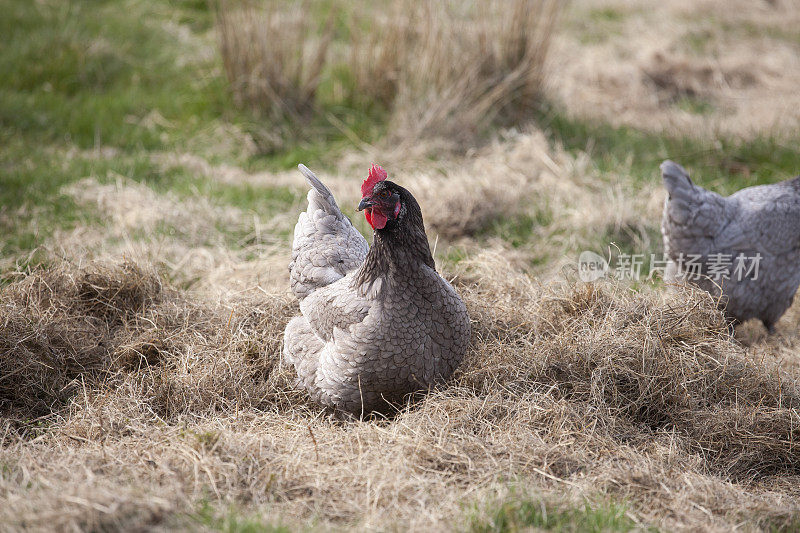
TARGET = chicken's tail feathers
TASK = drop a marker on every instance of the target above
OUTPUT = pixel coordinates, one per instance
(326, 246)
(320, 196)
(314, 181)
(676, 179)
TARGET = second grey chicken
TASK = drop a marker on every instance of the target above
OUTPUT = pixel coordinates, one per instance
(756, 231)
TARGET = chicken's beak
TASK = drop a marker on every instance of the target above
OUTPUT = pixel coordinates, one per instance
(365, 203)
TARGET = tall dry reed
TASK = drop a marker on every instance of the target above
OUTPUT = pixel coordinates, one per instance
(442, 69)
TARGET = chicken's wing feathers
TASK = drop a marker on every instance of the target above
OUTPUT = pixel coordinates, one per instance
(335, 306)
(770, 218)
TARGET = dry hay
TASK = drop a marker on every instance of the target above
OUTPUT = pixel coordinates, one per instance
(130, 206)
(66, 329)
(273, 55)
(563, 202)
(703, 68)
(560, 203)
(640, 364)
(462, 65)
(148, 402)
(190, 237)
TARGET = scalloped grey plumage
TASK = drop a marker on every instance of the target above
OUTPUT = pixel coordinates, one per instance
(763, 220)
(367, 336)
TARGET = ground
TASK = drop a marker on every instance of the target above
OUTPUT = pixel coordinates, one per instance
(146, 236)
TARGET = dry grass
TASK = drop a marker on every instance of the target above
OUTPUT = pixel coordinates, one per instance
(550, 196)
(197, 242)
(127, 401)
(274, 54)
(681, 67)
(444, 70)
(575, 391)
(450, 68)
(66, 328)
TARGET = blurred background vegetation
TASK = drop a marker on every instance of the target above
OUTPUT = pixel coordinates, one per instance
(99, 88)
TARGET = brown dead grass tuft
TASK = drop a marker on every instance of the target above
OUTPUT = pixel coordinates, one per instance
(581, 391)
(56, 329)
(273, 54)
(677, 78)
(460, 66)
(444, 70)
(190, 238)
(681, 67)
(642, 365)
(101, 326)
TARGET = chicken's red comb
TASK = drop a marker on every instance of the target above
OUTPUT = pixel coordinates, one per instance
(376, 174)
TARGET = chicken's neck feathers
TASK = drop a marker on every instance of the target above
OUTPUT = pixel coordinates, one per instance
(397, 255)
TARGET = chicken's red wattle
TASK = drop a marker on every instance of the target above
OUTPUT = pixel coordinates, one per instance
(375, 218)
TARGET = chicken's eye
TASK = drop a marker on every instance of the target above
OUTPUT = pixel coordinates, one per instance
(385, 194)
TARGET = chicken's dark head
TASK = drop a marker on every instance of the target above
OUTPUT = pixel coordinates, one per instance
(383, 201)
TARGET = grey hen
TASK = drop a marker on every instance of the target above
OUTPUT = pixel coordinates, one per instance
(756, 231)
(377, 323)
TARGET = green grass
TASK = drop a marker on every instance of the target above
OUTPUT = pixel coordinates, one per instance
(452, 256)
(31, 204)
(232, 521)
(522, 512)
(698, 41)
(78, 75)
(723, 164)
(597, 25)
(518, 230)
(106, 73)
(606, 14)
(136, 76)
(696, 106)
(636, 246)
